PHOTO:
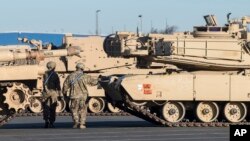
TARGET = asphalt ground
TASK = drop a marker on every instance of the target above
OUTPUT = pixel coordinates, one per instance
(122, 128)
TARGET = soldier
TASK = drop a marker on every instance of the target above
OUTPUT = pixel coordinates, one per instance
(78, 93)
(51, 91)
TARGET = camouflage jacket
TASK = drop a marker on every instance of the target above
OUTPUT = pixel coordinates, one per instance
(76, 85)
(51, 83)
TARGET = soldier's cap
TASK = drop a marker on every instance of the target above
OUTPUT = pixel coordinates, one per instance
(80, 66)
(51, 65)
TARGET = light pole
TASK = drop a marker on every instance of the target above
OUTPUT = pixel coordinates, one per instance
(97, 27)
(140, 16)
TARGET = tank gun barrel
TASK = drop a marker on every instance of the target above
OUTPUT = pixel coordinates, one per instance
(8, 55)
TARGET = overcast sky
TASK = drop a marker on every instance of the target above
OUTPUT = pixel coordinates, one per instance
(78, 16)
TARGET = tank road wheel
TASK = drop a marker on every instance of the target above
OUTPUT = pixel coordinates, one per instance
(173, 111)
(96, 105)
(36, 105)
(113, 109)
(17, 96)
(235, 111)
(207, 111)
(61, 105)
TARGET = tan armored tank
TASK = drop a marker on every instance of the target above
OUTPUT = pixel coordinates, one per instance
(92, 55)
(20, 84)
(207, 84)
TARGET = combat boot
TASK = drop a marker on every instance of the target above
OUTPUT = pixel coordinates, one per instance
(46, 125)
(75, 125)
(51, 125)
(82, 126)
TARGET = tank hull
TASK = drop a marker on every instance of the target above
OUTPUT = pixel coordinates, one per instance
(183, 87)
(186, 92)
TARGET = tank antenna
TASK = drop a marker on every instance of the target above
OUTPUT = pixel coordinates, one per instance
(228, 17)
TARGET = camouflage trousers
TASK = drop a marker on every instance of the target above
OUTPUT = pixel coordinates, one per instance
(79, 110)
(49, 109)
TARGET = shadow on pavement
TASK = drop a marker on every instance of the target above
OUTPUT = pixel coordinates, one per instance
(95, 124)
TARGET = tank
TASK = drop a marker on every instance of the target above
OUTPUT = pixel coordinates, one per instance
(96, 63)
(21, 78)
(206, 83)
(91, 54)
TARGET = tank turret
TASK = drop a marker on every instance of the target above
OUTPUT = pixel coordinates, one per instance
(209, 47)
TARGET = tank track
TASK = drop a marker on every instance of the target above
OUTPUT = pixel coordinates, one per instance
(69, 114)
(145, 114)
(130, 108)
(7, 119)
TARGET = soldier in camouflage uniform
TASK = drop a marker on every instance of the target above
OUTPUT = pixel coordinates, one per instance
(51, 91)
(75, 83)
